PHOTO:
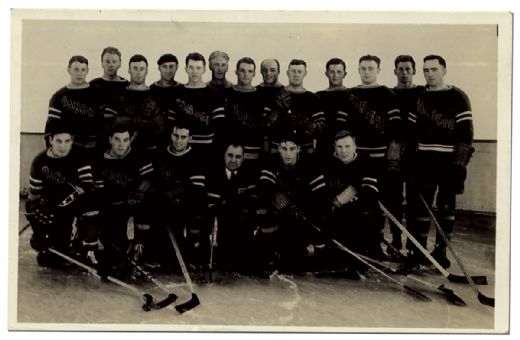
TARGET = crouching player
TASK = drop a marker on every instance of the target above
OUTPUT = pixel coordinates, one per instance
(354, 190)
(123, 186)
(61, 186)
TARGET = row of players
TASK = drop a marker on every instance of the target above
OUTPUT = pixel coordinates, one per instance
(436, 127)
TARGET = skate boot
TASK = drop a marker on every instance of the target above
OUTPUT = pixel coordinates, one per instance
(439, 254)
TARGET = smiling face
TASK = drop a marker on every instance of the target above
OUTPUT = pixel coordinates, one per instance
(270, 71)
(219, 67)
(78, 72)
(195, 70)
(345, 149)
(180, 139)
(119, 144)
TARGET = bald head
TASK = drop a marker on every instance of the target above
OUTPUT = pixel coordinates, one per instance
(270, 69)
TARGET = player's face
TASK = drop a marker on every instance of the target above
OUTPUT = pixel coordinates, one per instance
(78, 72)
(219, 67)
(270, 72)
(289, 152)
(433, 72)
(119, 143)
(296, 73)
(180, 139)
(61, 144)
(336, 74)
(234, 157)
(404, 72)
(195, 70)
(345, 149)
(138, 71)
(111, 64)
(168, 70)
(368, 71)
(245, 73)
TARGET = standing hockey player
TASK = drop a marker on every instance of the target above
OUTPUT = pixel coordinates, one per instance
(374, 117)
(293, 190)
(407, 93)
(164, 88)
(232, 199)
(354, 192)
(123, 184)
(201, 105)
(61, 185)
(218, 65)
(181, 184)
(298, 108)
(334, 99)
(138, 107)
(268, 90)
(442, 126)
(245, 111)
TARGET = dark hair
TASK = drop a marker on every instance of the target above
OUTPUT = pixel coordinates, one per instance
(435, 57)
(195, 56)
(404, 58)
(110, 50)
(290, 135)
(58, 126)
(167, 58)
(297, 62)
(276, 60)
(120, 128)
(181, 123)
(79, 58)
(370, 57)
(138, 58)
(343, 134)
(335, 61)
(246, 60)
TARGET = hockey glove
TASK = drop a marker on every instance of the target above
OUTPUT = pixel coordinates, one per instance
(39, 212)
(134, 198)
(461, 158)
(309, 128)
(284, 205)
(346, 196)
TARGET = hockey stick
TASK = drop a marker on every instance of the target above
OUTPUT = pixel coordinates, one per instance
(358, 257)
(481, 297)
(194, 301)
(149, 301)
(449, 294)
(24, 228)
(213, 242)
(171, 298)
(444, 272)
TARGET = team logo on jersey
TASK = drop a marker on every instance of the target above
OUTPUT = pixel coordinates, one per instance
(54, 176)
(77, 108)
(435, 117)
(190, 110)
(117, 178)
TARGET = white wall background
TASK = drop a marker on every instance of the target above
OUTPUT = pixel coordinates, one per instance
(470, 51)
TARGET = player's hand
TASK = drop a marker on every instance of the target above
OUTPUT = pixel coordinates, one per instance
(458, 177)
(39, 242)
(135, 198)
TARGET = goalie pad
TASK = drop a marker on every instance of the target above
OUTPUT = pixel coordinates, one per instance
(39, 213)
(346, 196)
(462, 154)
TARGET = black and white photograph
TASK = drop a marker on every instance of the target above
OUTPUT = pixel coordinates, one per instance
(260, 171)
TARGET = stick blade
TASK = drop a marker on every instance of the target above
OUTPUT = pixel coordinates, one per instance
(486, 300)
(171, 298)
(417, 293)
(149, 302)
(451, 296)
(188, 305)
(478, 280)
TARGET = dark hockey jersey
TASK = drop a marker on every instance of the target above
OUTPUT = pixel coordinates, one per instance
(54, 178)
(143, 112)
(304, 183)
(203, 107)
(109, 90)
(333, 103)
(269, 95)
(82, 110)
(165, 95)
(116, 177)
(441, 120)
(374, 116)
(245, 119)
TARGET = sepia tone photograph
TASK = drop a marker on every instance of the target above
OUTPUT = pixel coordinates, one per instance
(260, 171)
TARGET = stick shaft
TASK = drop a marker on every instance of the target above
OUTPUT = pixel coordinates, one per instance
(181, 260)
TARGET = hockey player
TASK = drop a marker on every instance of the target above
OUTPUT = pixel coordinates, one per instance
(201, 105)
(245, 111)
(442, 127)
(123, 184)
(78, 105)
(138, 107)
(374, 116)
(298, 108)
(293, 191)
(354, 192)
(61, 185)
(163, 88)
(334, 99)
(231, 198)
(218, 65)
(181, 184)
(407, 93)
(268, 89)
